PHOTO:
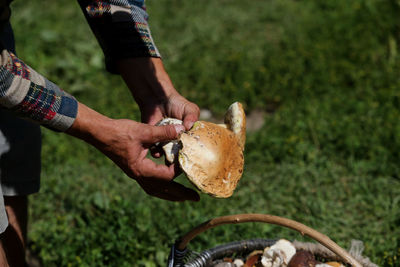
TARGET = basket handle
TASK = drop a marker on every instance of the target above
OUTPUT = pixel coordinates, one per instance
(243, 218)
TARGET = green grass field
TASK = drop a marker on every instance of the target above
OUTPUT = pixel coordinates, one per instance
(325, 72)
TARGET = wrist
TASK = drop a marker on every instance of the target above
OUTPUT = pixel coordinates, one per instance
(91, 126)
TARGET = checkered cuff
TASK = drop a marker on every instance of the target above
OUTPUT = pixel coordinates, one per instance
(32, 96)
(121, 28)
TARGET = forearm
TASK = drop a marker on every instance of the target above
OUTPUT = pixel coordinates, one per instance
(124, 141)
(105, 134)
(147, 80)
(154, 92)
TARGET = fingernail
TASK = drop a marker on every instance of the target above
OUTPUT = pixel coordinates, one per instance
(190, 124)
(179, 128)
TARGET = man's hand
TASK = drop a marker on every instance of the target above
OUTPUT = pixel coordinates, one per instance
(126, 143)
(154, 92)
(175, 106)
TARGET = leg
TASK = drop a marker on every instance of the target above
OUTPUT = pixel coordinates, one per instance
(13, 240)
(19, 177)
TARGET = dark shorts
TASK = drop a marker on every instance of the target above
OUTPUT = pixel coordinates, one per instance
(20, 147)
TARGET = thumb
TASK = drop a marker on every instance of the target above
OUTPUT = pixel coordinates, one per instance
(165, 133)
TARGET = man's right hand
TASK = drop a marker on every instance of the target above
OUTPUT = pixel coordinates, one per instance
(127, 143)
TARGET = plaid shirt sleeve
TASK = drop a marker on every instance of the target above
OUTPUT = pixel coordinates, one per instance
(121, 28)
(31, 95)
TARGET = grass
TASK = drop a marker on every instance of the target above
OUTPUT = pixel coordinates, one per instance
(328, 154)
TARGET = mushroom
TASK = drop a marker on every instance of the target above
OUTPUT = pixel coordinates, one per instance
(211, 155)
(334, 264)
(279, 254)
(303, 258)
(254, 259)
(238, 263)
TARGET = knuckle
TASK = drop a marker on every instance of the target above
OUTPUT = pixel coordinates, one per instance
(196, 109)
(148, 133)
(170, 131)
(136, 171)
(192, 108)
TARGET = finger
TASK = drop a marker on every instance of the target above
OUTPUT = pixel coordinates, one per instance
(156, 152)
(168, 190)
(164, 133)
(165, 196)
(153, 120)
(177, 169)
(189, 120)
(179, 192)
(175, 198)
(149, 168)
(191, 115)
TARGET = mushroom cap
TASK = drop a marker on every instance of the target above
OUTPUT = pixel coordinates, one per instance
(334, 264)
(302, 258)
(212, 158)
(278, 254)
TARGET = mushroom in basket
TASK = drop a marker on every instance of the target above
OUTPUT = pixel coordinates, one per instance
(281, 254)
(211, 155)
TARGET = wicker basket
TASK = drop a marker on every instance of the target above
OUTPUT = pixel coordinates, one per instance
(325, 249)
